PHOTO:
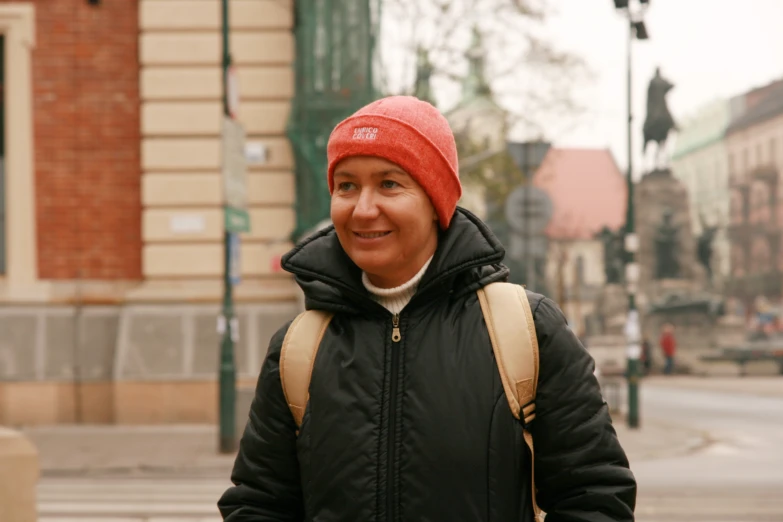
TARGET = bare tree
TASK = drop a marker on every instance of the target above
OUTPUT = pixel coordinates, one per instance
(528, 75)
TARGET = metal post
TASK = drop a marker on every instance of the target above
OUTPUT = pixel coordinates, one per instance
(632, 327)
(530, 269)
(227, 322)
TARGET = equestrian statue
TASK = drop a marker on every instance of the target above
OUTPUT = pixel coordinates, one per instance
(659, 121)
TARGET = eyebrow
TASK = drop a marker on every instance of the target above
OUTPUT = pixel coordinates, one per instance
(346, 174)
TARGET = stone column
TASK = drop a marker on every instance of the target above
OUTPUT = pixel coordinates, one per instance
(19, 473)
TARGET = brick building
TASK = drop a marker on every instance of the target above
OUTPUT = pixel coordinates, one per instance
(111, 246)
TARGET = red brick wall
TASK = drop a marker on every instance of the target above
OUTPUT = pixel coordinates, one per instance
(87, 159)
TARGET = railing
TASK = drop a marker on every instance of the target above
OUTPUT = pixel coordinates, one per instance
(749, 286)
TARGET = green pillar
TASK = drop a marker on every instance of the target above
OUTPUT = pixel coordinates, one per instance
(632, 327)
(227, 323)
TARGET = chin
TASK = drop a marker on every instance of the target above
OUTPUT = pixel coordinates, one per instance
(371, 262)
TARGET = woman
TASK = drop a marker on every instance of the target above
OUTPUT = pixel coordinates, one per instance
(420, 429)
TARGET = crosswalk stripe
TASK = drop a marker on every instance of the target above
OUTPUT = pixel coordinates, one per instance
(129, 499)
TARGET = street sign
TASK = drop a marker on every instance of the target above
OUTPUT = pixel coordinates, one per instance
(234, 268)
(528, 155)
(255, 153)
(187, 224)
(235, 177)
(528, 209)
(518, 245)
(232, 91)
(236, 220)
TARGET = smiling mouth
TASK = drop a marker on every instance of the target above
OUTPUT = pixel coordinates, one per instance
(371, 235)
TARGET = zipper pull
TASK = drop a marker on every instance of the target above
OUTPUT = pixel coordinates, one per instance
(396, 336)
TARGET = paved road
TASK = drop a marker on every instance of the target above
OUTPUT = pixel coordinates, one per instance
(737, 477)
(113, 499)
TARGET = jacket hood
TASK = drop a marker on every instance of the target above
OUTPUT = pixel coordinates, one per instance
(468, 257)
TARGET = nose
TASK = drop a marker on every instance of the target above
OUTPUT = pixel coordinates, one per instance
(366, 206)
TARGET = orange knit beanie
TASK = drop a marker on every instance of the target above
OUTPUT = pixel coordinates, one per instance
(410, 133)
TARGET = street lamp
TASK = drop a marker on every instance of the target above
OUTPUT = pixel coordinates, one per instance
(636, 29)
(236, 220)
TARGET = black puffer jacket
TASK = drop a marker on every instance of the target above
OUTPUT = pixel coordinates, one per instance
(420, 430)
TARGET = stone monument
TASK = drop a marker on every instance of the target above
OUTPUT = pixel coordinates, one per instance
(673, 265)
(704, 248)
(674, 279)
(659, 121)
(667, 247)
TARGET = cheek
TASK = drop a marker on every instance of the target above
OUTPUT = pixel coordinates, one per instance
(340, 211)
(418, 227)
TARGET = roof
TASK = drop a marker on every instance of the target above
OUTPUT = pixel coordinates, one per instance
(763, 105)
(587, 189)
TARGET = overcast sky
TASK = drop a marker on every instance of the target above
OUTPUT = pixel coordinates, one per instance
(710, 49)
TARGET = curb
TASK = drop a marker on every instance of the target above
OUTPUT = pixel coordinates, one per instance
(139, 471)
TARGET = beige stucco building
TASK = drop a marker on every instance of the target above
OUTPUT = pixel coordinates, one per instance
(181, 147)
(112, 316)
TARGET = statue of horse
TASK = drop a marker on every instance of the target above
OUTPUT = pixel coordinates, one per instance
(659, 121)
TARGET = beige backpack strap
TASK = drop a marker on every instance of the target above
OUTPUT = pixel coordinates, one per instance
(513, 335)
(297, 357)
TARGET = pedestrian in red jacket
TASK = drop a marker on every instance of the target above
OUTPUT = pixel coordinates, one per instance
(669, 347)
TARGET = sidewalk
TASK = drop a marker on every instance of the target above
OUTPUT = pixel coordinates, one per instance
(767, 386)
(656, 439)
(192, 450)
(165, 449)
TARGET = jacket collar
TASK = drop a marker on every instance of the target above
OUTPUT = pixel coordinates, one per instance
(468, 257)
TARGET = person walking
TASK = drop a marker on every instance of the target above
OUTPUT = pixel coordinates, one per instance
(406, 417)
(646, 356)
(668, 347)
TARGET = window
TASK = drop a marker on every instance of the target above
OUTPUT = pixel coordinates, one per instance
(759, 155)
(772, 151)
(580, 270)
(2, 155)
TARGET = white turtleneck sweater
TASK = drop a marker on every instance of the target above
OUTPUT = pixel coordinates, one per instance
(397, 298)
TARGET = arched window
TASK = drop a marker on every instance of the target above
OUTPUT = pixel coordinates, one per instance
(737, 261)
(736, 211)
(760, 259)
(580, 269)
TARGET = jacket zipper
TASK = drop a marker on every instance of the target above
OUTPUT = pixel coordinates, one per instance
(390, 489)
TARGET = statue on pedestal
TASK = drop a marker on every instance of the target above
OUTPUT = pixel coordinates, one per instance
(667, 265)
(614, 253)
(704, 246)
(659, 121)
(424, 70)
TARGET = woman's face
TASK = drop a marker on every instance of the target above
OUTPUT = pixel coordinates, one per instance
(383, 218)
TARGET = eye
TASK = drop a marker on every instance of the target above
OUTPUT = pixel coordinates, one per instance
(345, 186)
(389, 184)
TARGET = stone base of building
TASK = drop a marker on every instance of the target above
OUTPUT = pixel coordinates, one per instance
(131, 403)
(128, 364)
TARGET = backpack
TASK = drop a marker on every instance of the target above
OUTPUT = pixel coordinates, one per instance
(511, 330)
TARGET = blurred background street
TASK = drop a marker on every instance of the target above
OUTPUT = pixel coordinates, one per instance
(157, 157)
(708, 452)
